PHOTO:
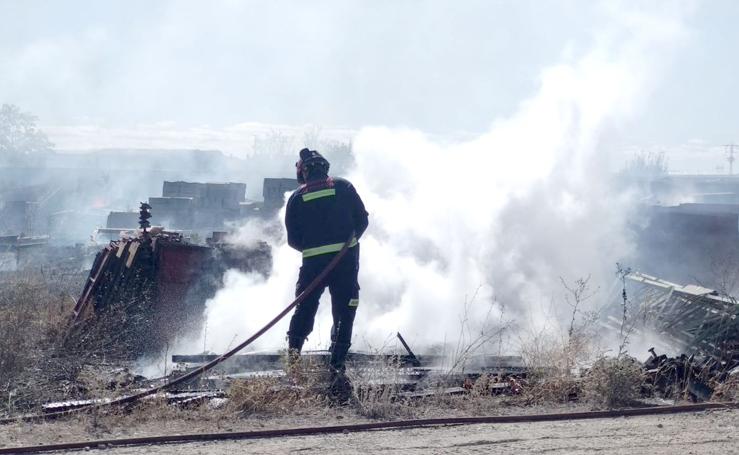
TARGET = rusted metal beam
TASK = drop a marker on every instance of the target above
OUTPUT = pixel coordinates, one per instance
(92, 283)
(394, 425)
(414, 359)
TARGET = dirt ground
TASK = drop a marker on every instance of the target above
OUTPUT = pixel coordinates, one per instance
(696, 433)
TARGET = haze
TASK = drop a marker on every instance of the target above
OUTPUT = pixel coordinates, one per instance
(139, 71)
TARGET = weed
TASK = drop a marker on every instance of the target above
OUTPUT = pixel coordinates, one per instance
(727, 390)
(303, 390)
(32, 317)
(614, 381)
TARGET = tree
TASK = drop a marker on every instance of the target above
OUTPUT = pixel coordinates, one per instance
(20, 139)
(647, 166)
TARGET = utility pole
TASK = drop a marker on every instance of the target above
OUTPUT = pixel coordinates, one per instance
(730, 156)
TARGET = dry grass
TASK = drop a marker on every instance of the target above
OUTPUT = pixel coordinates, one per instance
(150, 412)
(41, 362)
(376, 389)
(614, 381)
(554, 365)
(378, 394)
(552, 389)
(727, 390)
(269, 396)
(573, 368)
(381, 401)
(29, 315)
(304, 390)
(547, 354)
(32, 316)
(40, 359)
(560, 374)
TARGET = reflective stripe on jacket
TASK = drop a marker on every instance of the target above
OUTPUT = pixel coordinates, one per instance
(322, 214)
(325, 249)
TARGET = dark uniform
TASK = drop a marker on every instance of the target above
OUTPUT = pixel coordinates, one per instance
(320, 217)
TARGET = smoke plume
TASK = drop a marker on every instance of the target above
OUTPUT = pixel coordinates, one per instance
(483, 229)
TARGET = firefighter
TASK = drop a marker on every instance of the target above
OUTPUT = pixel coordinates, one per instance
(321, 215)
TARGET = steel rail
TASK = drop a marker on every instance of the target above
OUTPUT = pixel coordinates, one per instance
(202, 369)
(372, 426)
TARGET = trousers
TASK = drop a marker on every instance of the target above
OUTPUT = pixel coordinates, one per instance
(344, 288)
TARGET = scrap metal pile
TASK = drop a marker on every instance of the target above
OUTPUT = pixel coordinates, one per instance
(153, 286)
(694, 319)
(410, 376)
(691, 376)
(407, 376)
(701, 323)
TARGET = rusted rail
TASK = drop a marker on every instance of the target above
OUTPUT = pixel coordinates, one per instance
(376, 426)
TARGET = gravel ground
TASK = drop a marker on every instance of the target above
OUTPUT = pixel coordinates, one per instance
(697, 433)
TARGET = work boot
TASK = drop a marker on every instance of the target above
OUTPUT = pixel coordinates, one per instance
(295, 343)
(339, 351)
(292, 368)
(340, 388)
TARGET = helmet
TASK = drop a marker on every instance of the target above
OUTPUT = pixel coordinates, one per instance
(311, 163)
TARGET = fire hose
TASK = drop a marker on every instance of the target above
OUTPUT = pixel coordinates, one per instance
(202, 369)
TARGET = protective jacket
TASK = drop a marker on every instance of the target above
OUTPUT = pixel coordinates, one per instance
(321, 215)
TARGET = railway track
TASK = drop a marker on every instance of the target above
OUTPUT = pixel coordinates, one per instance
(372, 426)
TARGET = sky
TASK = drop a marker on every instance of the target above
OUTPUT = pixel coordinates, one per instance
(99, 73)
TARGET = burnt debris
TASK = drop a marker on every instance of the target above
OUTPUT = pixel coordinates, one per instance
(694, 377)
(153, 287)
(695, 320)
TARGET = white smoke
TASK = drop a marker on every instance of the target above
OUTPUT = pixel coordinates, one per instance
(500, 217)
